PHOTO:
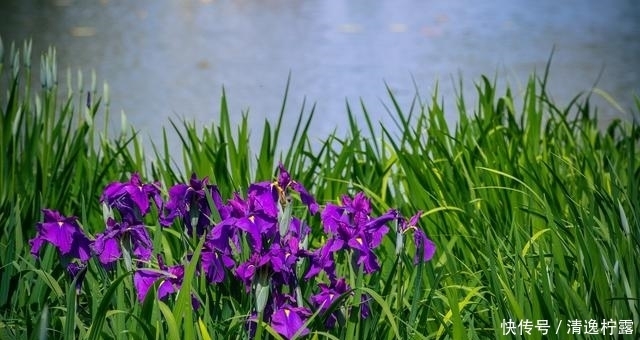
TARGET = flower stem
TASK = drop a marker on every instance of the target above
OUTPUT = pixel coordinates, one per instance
(354, 311)
(259, 327)
(399, 279)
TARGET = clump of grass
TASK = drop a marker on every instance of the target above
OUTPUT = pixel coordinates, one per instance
(52, 158)
(539, 216)
(534, 209)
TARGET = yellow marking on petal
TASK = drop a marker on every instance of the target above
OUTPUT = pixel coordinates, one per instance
(359, 240)
(281, 194)
(413, 227)
(252, 219)
(60, 224)
(287, 312)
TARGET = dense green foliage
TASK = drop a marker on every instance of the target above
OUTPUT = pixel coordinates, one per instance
(535, 211)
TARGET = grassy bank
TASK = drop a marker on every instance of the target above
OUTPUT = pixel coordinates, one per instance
(535, 212)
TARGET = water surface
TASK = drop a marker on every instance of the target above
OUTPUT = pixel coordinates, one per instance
(171, 59)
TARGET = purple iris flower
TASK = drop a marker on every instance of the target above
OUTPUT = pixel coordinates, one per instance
(132, 199)
(171, 278)
(190, 203)
(353, 217)
(256, 216)
(327, 296)
(216, 254)
(322, 260)
(258, 267)
(259, 216)
(285, 181)
(352, 227)
(108, 245)
(365, 310)
(277, 264)
(288, 319)
(77, 269)
(214, 264)
(425, 248)
(358, 207)
(365, 257)
(262, 199)
(284, 258)
(298, 229)
(262, 230)
(63, 233)
(238, 207)
(264, 196)
(247, 270)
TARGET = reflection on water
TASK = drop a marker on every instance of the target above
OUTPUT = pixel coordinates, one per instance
(167, 59)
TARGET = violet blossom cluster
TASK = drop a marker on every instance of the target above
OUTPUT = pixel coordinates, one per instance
(254, 240)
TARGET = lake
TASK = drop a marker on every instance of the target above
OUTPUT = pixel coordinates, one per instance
(171, 59)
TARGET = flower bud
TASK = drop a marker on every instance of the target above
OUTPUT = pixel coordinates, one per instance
(262, 292)
(284, 216)
(399, 239)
